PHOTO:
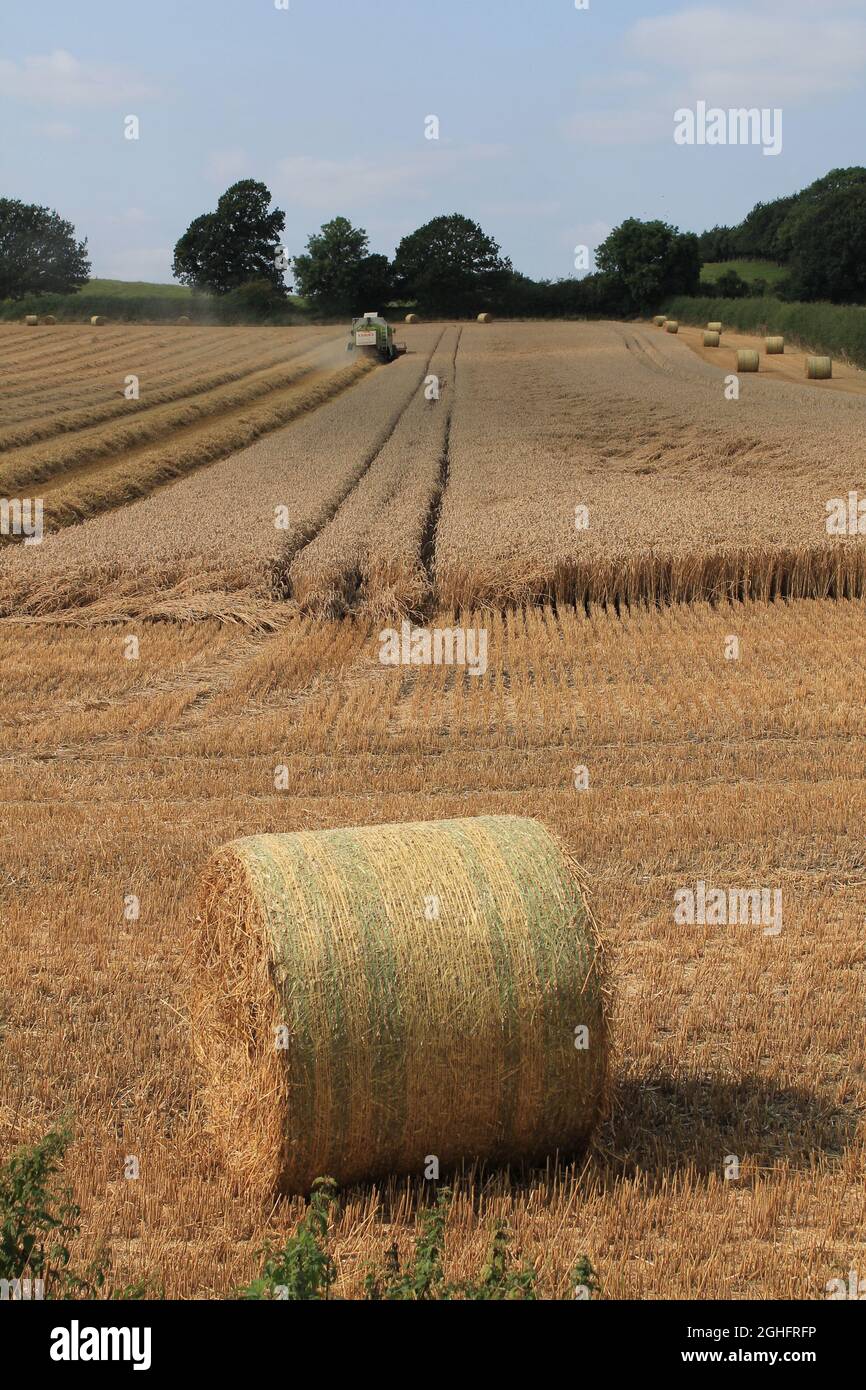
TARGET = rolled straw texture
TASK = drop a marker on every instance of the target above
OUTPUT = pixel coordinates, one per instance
(425, 981)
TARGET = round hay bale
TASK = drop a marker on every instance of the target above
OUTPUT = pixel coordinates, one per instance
(714, 327)
(97, 320)
(671, 326)
(819, 368)
(411, 318)
(184, 319)
(775, 346)
(31, 320)
(49, 318)
(367, 997)
(712, 339)
(485, 318)
(659, 320)
(748, 360)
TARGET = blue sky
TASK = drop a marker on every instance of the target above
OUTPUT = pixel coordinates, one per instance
(554, 123)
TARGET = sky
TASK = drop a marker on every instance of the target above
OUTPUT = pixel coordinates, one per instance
(555, 121)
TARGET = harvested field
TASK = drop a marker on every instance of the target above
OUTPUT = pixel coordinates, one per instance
(374, 551)
(85, 460)
(728, 1041)
(216, 530)
(580, 463)
(640, 695)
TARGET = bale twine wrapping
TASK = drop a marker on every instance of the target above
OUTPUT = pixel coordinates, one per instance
(411, 318)
(31, 320)
(671, 326)
(714, 327)
(712, 339)
(775, 346)
(659, 320)
(748, 360)
(97, 320)
(428, 979)
(485, 318)
(819, 368)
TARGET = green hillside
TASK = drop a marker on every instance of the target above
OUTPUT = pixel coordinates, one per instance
(135, 289)
(747, 270)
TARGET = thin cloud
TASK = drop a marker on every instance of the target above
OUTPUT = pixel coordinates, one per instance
(731, 56)
(60, 79)
(138, 263)
(228, 165)
(607, 128)
(311, 182)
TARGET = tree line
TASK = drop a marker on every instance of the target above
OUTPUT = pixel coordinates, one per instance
(452, 267)
(449, 267)
(818, 235)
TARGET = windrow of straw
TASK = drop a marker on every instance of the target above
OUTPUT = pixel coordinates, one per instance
(233, 526)
(39, 462)
(365, 1000)
(165, 378)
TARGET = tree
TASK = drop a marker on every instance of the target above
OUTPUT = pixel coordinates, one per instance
(717, 244)
(828, 247)
(450, 266)
(38, 252)
(650, 260)
(758, 236)
(731, 285)
(238, 243)
(337, 275)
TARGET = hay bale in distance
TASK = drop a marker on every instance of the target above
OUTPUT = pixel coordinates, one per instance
(819, 368)
(485, 318)
(31, 320)
(184, 319)
(714, 327)
(659, 320)
(49, 318)
(97, 320)
(712, 339)
(775, 346)
(672, 326)
(411, 318)
(366, 997)
(748, 360)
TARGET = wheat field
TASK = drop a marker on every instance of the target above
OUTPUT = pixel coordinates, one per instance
(575, 463)
(674, 689)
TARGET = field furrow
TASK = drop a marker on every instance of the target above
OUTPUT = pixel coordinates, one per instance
(369, 555)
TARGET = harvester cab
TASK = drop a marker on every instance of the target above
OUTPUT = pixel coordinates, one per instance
(371, 335)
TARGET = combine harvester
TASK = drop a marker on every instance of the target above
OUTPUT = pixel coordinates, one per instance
(375, 338)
